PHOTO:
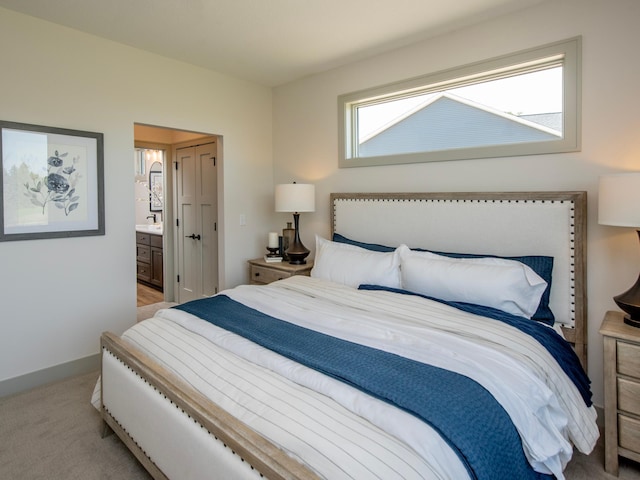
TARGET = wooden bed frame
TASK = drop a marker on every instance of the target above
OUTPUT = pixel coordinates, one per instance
(258, 455)
(246, 444)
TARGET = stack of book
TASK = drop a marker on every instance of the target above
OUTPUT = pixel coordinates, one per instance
(272, 258)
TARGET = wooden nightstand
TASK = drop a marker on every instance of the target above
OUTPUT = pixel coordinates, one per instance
(261, 272)
(621, 390)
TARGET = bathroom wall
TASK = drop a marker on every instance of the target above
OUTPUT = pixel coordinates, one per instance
(142, 166)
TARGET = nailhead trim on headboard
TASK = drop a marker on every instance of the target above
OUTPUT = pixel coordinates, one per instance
(569, 267)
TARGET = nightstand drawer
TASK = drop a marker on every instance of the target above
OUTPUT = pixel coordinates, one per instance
(261, 272)
(628, 394)
(629, 433)
(266, 275)
(629, 359)
(621, 390)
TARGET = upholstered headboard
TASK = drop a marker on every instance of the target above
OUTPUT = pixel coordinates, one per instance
(503, 223)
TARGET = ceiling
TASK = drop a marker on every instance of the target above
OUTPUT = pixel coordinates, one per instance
(270, 42)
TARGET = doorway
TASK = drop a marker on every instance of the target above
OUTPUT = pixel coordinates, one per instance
(173, 259)
(149, 212)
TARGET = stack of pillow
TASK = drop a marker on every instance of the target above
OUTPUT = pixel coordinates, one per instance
(516, 285)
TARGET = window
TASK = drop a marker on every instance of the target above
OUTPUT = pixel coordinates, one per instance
(520, 104)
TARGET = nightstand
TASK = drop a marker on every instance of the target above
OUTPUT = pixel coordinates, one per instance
(261, 272)
(621, 390)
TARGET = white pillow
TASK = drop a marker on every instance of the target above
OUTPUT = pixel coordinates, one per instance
(507, 285)
(354, 266)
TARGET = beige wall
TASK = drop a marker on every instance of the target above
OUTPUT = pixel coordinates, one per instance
(305, 131)
(57, 295)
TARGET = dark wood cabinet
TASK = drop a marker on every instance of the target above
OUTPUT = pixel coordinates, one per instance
(149, 259)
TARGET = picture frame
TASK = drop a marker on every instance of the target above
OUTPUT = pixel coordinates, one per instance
(51, 182)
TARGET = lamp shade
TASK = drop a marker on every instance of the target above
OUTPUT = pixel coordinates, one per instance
(295, 197)
(619, 200)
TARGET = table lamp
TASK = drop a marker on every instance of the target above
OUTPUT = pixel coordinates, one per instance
(619, 205)
(296, 198)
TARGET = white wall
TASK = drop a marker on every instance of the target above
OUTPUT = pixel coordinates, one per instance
(306, 149)
(58, 295)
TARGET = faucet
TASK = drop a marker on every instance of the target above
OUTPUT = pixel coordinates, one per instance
(153, 215)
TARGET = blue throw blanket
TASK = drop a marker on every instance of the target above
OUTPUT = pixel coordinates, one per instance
(557, 346)
(464, 413)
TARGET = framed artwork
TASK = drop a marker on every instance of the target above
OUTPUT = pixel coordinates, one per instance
(51, 182)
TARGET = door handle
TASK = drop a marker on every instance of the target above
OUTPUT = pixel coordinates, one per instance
(193, 236)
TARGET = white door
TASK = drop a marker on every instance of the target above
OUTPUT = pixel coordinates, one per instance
(196, 221)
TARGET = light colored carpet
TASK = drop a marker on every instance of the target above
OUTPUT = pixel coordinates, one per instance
(591, 467)
(147, 311)
(54, 433)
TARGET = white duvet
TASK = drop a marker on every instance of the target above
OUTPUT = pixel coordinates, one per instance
(545, 406)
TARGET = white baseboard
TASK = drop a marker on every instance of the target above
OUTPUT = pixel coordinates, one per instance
(31, 380)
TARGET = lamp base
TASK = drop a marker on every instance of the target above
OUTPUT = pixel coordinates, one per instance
(297, 252)
(629, 302)
(630, 321)
(297, 258)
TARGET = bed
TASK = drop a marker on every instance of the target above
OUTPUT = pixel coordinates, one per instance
(414, 350)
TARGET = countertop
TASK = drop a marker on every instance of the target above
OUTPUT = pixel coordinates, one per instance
(155, 229)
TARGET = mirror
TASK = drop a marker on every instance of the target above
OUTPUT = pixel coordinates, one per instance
(156, 197)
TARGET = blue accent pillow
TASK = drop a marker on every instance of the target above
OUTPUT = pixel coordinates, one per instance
(540, 264)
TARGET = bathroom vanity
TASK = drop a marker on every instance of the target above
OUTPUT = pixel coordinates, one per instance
(149, 255)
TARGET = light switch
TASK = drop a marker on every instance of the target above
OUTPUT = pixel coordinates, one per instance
(243, 220)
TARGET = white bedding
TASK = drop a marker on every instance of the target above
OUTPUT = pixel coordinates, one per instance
(545, 406)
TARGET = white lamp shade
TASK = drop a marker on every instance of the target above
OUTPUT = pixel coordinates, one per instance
(295, 197)
(619, 200)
